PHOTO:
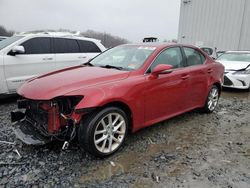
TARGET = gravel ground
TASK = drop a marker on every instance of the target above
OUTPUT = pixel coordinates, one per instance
(191, 150)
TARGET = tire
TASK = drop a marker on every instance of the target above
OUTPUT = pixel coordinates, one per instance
(98, 136)
(212, 100)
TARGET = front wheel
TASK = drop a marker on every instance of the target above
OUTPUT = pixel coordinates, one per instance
(212, 100)
(103, 133)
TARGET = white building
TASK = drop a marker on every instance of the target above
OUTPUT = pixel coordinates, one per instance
(224, 24)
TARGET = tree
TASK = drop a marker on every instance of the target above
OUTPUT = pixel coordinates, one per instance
(5, 32)
(107, 39)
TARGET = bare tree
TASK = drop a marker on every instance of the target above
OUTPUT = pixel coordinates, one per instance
(5, 32)
(107, 39)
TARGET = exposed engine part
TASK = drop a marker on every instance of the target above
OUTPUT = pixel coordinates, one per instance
(16, 116)
(69, 137)
(22, 103)
(65, 145)
(54, 120)
(49, 119)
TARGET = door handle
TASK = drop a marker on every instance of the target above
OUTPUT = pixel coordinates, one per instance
(209, 70)
(47, 58)
(82, 57)
(184, 77)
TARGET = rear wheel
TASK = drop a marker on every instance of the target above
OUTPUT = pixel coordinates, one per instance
(212, 100)
(103, 133)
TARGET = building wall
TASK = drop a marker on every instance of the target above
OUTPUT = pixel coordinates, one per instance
(244, 43)
(224, 24)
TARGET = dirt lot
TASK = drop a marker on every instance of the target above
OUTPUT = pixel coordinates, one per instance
(191, 150)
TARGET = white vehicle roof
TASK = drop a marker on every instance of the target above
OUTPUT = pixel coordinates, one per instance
(237, 52)
(71, 35)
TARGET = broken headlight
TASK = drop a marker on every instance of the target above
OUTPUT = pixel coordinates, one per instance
(67, 104)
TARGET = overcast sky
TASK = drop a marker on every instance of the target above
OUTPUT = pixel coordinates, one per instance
(130, 19)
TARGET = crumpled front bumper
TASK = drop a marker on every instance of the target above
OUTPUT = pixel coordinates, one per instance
(25, 131)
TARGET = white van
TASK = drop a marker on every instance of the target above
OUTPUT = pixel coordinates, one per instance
(25, 56)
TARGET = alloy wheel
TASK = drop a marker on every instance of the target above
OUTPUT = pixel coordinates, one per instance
(213, 99)
(109, 133)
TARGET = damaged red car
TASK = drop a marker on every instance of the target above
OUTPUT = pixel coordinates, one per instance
(122, 90)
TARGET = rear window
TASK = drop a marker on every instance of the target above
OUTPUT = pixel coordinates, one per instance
(88, 46)
(66, 46)
(194, 57)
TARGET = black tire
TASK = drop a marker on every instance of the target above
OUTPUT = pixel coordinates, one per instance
(207, 108)
(88, 126)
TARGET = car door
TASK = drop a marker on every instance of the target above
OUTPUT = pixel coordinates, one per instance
(37, 59)
(72, 52)
(198, 71)
(68, 53)
(166, 95)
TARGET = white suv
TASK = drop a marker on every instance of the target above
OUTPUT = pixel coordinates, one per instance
(25, 56)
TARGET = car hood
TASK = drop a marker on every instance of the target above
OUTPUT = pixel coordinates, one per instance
(235, 65)
(61, 82)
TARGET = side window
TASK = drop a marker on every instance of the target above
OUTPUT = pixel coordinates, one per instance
(88, 46)
(194, 57)
(171, 56)
(209, 51)
(66, 46)
(40, 45)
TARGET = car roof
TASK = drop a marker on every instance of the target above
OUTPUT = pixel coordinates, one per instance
(57, 35)
(240, 52)
(157, 44)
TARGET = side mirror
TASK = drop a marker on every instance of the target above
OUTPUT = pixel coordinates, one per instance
(162, 69)
(17, 50)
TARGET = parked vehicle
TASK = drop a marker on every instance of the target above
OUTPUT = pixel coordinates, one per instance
(210, 51)
(150, 39)
(2, 38)
(123, 89)
(25, 56)
(237, 69)
(219, 53)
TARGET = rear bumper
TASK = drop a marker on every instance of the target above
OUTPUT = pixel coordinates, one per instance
(25, 131)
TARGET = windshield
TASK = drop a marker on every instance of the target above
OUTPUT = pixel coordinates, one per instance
(235, 57)
(124, 57)
(6, 42)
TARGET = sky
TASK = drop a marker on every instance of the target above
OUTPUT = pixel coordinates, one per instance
(129, 19)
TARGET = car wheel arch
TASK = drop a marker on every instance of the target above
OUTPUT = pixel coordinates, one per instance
(219, 86)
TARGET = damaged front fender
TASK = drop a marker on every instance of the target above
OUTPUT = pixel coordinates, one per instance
(93, 97)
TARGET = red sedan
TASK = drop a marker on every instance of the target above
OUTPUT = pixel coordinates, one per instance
(124, 89)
